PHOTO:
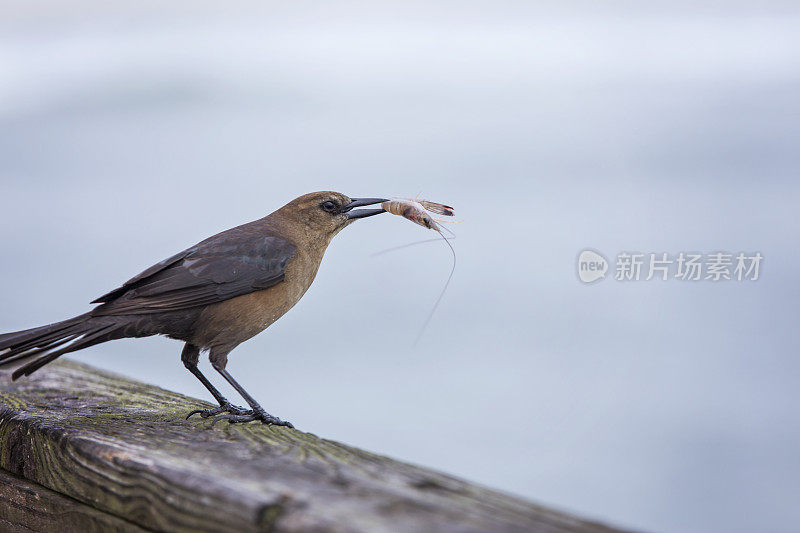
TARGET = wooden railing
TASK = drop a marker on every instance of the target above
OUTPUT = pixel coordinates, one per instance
(85, 450)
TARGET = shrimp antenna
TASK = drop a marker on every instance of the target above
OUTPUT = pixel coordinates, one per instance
(395, 248)
(439, 228)
(444, 289)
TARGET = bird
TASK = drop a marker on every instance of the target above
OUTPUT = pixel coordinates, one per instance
(212, 296)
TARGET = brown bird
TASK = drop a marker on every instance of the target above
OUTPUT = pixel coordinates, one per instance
(213, 296)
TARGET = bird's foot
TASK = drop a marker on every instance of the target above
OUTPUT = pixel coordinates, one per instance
(251, 416)
(226, 407)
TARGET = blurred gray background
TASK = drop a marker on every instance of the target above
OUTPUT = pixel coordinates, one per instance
(129, 133)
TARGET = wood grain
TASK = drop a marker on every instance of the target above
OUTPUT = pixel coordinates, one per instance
(123, 450)
(26, 506)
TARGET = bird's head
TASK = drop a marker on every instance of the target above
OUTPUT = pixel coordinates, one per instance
(324, 214)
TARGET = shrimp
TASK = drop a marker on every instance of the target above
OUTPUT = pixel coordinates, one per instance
(439, 209)
(410, 209)
(417, 212)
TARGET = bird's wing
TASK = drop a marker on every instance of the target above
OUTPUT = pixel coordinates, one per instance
(225, 266)
(155, 269)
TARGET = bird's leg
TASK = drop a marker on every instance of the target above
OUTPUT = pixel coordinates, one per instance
(218, 361)
(190, 355)
(258, 412)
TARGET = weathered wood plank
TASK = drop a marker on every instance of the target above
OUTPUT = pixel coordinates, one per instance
(26, 506)
(124, 449)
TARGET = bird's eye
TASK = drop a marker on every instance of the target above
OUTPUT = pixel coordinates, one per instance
(328, 206)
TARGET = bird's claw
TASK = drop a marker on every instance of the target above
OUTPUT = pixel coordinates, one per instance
(263, 416)
(224, 408)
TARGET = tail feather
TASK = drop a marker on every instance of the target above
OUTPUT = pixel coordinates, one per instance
(38, 345)
(9, 358)
(16, 338)
(41, 337)
(101, 335)
(44, 340)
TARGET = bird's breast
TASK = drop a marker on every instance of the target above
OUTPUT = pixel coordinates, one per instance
(234, 321)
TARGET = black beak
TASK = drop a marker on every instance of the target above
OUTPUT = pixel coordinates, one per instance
(362, 213)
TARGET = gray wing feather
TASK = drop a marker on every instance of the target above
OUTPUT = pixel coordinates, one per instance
(220, 268)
